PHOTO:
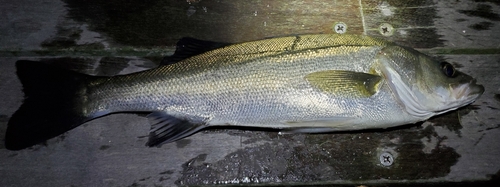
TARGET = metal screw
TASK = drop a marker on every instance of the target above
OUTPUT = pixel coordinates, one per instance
(340, 27)
(386, 29)
(386, 159)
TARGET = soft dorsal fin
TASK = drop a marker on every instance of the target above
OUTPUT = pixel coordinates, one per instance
(188, 47)
(345, 83)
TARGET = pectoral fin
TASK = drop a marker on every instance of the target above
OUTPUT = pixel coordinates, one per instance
(345, 83)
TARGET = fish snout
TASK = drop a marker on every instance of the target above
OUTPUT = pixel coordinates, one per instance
(475, 89)
(467, 91)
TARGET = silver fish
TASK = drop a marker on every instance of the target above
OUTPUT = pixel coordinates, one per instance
(301, 84)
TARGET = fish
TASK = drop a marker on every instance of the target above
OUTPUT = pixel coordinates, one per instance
(315, 83)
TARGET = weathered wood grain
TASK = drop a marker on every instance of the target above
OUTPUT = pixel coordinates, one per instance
(119, 37)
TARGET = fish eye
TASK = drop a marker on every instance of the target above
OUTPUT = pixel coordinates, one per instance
(448, 69)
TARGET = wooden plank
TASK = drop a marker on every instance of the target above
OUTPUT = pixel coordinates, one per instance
(469, 24)
(410, 23)
(116, 37)
(225, 21)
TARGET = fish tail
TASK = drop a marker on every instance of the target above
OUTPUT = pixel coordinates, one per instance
(52, 104)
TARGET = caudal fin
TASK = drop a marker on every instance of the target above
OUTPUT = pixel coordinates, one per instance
(52, 104)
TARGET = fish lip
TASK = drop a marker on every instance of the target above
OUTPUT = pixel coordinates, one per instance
(469, 90)
(466, 93)
(475, 89)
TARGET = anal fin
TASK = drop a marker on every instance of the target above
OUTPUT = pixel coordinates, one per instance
(166, 128)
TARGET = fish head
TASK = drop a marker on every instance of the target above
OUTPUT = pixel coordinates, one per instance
(424, 86)
(445, 87)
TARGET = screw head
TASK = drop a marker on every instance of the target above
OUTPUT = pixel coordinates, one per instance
(340, 27)
(386, 29)
(386, 159)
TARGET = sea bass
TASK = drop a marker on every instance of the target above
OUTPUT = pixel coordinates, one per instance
(300, 84)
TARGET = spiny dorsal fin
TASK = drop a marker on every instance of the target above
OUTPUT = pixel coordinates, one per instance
(188, 47)
(166, 128)
(345, 83)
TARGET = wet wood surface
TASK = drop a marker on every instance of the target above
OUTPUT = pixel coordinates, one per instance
(116, 37)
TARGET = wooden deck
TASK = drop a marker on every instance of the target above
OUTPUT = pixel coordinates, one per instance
(118, 37)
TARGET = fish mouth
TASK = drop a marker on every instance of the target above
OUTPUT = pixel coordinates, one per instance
(463, 94)
(477, 88)
(468, 91)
